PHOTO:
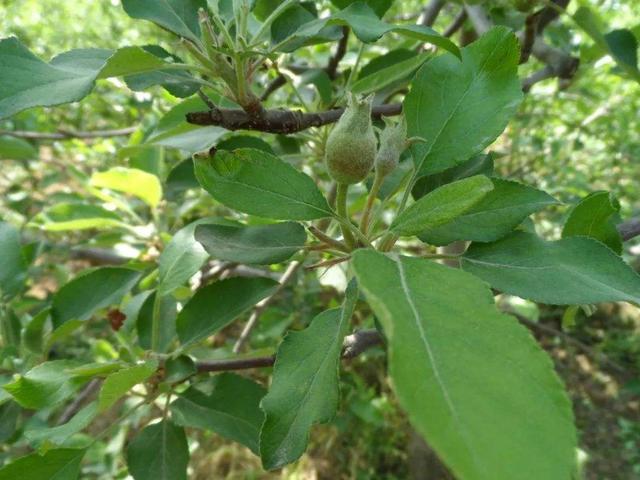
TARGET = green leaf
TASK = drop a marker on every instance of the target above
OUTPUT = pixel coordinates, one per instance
(498, 213)
(178, 83)
(621, 46)
(474, 382)
(173, 131)
(304, 389)
(378, 6)
(94, 289)
(13, 267)
(177, 16)
(159, 452)
(571, 271)
(29, 82)
(183, 256)
(167, 317)
(441, 205)
(178, 369)
(215, 306)
(131, 61)
(459, 108)
(387, 76)
(368, 28)
(478, 165)
(33, 333)
(231, 409)
(12, 148)
(45, 385)
(60, 434)
(596, 216)
(119, 383)
(132, 181)
(255, 182)
(259, 244)
(9, 415)
(55, 464)
(76, 216)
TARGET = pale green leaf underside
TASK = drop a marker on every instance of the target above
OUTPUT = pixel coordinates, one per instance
(474, 382)
(459, 108)
(571, 271)
(132, 181)
(27, 81)
(304, 389)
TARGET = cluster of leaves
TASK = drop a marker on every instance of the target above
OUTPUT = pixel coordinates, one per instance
(472, 380)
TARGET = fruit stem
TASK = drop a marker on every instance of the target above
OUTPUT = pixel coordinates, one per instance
(373, 194)
(341, 207)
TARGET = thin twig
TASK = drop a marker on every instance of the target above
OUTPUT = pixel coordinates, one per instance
(431, 12)
(354, 345)
(63, 134)
(262, 305)
(629, 229)
(341, 50)
(74, 407)
(457, 23)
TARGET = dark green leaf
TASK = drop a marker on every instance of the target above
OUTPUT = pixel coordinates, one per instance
(178, 369)
(261, 184)
(493, 217)
(33, 333)
(571, 271)
(442, 205)
(368, 28)
(55, 464)
(478, 165)
(177, 16)
(144, 322)
(9, 414)
(304, 389)
(474, 382)
(259, 244)
(13, 268)
(94, 289)
(624, 47)
(231, 409)
(215, 306)
(378, 6)
(459, 108)
(596, 216)
(159, 452)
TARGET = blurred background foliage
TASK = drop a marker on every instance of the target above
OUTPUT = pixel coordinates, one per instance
(568, 141)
